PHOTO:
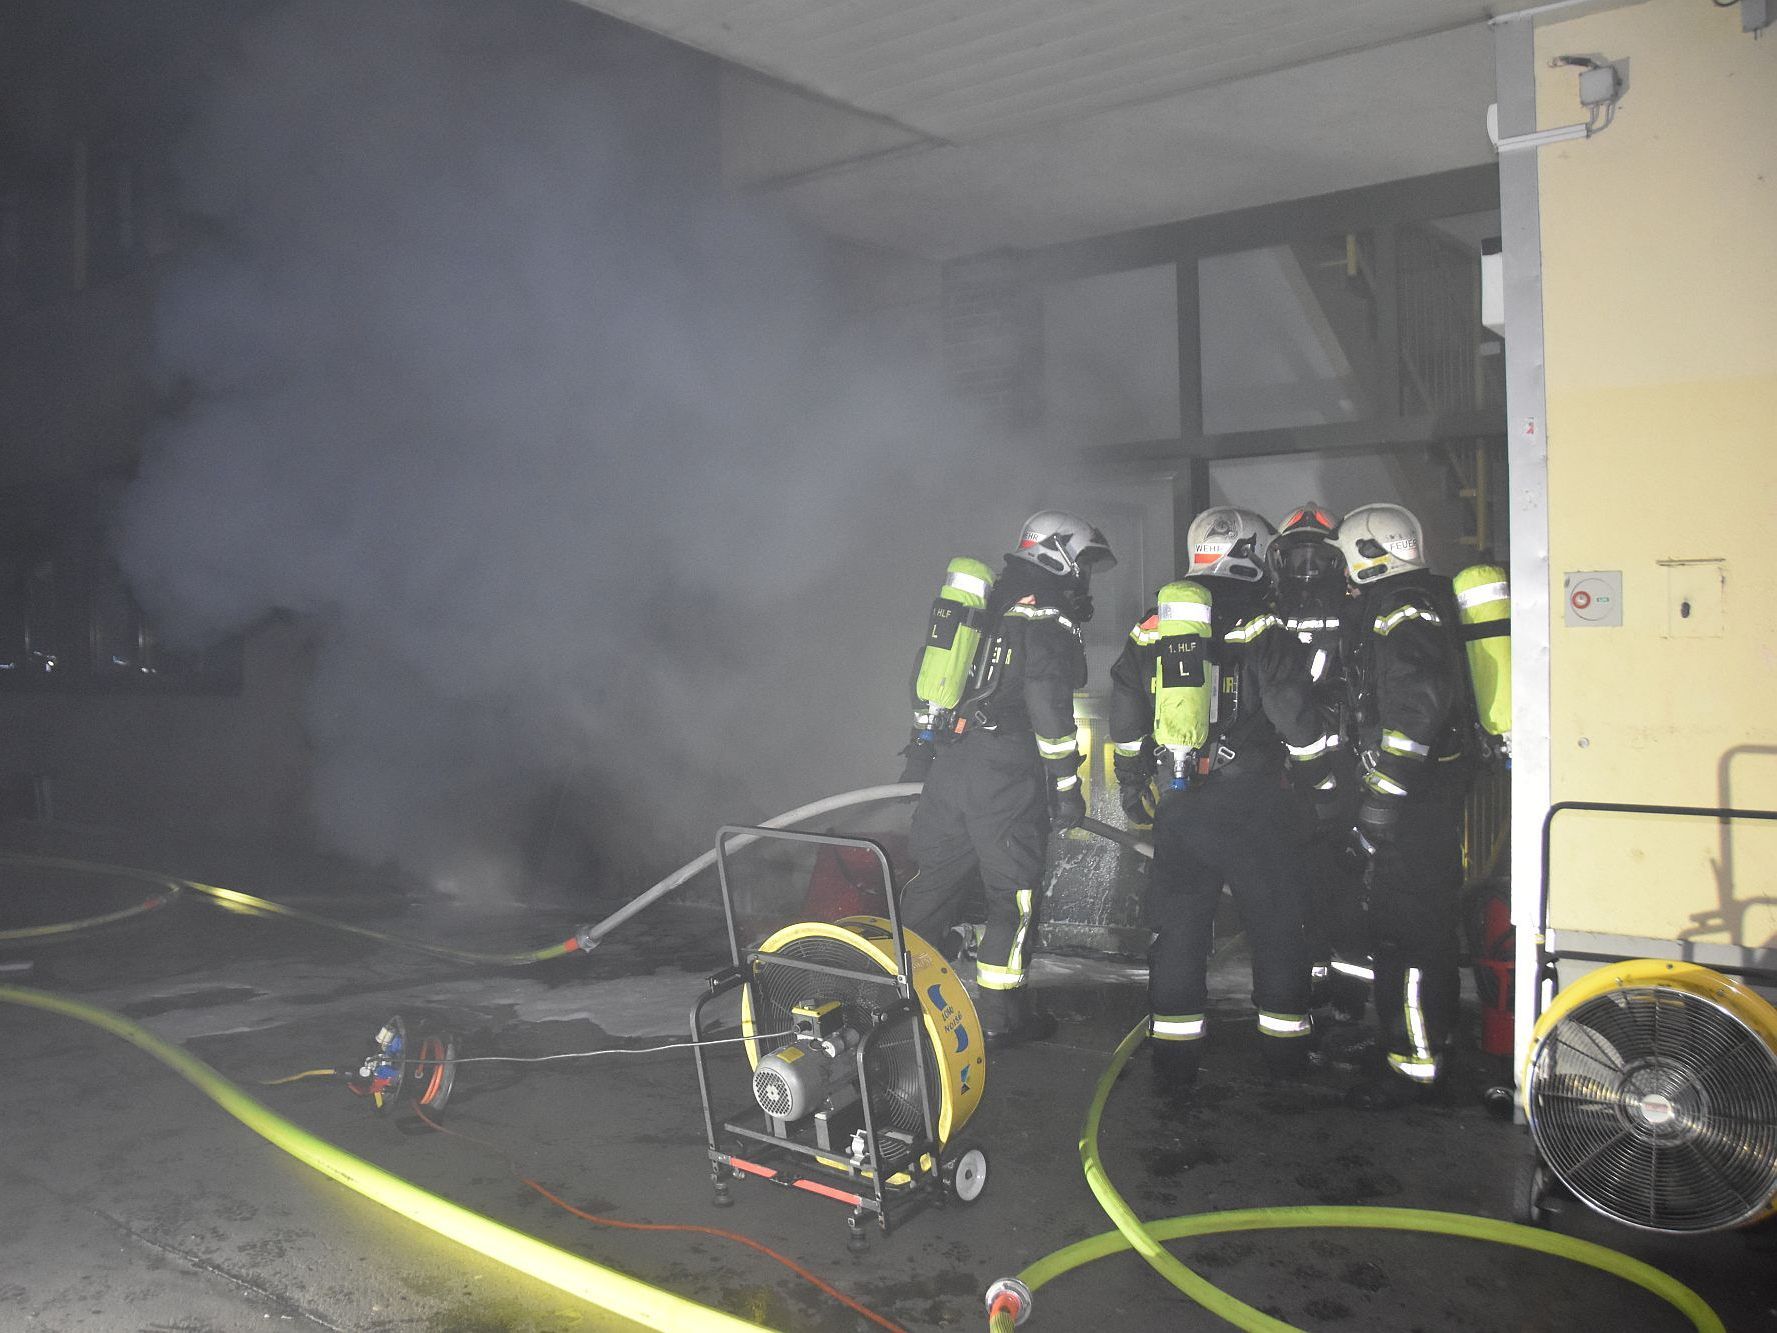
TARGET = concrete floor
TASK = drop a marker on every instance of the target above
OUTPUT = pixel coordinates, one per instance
(133, 1203)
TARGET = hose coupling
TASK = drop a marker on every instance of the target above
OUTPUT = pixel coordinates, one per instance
(1011, 1296)
(585, 940)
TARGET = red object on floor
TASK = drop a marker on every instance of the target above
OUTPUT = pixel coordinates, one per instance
(1494, 973)
(847, 881)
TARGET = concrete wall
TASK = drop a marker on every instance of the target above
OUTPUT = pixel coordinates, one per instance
(1660, 317)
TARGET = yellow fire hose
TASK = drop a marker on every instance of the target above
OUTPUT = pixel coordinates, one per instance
(617, 1292)
(1009, 1300)
(235, 900)
(169, 890)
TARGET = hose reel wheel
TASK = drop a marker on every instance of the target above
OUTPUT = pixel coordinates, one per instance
(1651, 1092)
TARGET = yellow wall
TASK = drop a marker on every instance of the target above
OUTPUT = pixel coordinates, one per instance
(1660, 305)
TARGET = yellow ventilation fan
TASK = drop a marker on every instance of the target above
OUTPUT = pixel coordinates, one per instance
(1651, 1092)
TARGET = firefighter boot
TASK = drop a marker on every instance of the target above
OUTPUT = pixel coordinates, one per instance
(1007, 1019)
(1286, 1057)
(1174, 1065)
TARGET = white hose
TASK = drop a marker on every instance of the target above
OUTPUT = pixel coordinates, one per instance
(591, 935)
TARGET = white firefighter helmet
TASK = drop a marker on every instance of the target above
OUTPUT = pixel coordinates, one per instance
(1229, 543)
(1380, 540)
(1063, 544)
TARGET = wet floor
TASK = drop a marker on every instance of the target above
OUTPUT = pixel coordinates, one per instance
(134, 1203)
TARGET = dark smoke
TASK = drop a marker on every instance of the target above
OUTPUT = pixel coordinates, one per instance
(589, 485)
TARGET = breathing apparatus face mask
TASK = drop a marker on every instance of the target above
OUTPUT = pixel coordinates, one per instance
(1310, 575)
(1083, 595)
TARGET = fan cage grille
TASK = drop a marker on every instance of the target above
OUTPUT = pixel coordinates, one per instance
(889, 1064)
(1658, 1108)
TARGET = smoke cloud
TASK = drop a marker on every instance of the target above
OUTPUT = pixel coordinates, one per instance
(605, 511)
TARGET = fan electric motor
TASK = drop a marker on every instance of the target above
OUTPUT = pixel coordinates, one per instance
(827, 1014)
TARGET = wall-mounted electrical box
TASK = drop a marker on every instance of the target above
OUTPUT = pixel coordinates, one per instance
(1594, 599)
(1695, 596)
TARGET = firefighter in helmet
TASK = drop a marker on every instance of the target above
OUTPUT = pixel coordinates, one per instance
(1406, 720)
(1004, 768)
(1202, 692)
(1310, 596)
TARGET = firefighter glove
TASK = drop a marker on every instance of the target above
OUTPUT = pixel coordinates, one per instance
(1132, 768)
(1137, 800)
(1378, 816)
(919, 753)
(1067, 805)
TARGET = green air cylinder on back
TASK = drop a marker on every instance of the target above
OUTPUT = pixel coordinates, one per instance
(954, 635)
(1184, 682)
(1484, 605)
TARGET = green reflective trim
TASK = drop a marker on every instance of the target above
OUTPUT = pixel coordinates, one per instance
(1416, 1017)
(1246, 633)
(1021, 612)
(989, 977)
(1058, 747)
(1399, 742)
(1129, 749)
(1376, 780)
(1016, 959)
(1284, 1025)
(1420, 1071)
(1388, 622)
(1177, 1027)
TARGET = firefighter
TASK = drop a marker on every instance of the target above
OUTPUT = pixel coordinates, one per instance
(1005, 767)
(1310, 596)
(1215, 795)
(1406, 721)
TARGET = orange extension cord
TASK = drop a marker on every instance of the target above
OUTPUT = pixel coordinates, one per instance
(748, 1241)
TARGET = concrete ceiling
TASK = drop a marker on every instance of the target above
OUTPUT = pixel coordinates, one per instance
(945, 127)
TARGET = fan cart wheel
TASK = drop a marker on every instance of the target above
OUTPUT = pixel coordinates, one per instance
(1530, 1204)
(965, 1175)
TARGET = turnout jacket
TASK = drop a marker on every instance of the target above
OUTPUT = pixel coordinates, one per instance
(1033, 661)
(1263, 692)
(1406, 685)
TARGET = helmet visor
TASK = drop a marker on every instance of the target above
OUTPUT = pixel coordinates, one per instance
(1308, 562)
(1095, 555)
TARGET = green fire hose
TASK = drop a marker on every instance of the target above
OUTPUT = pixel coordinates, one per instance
(1009, 1300)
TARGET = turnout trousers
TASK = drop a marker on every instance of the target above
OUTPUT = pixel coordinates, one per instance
(1338, 937)
(1239, 829)
(1415, 916)
(985, 806)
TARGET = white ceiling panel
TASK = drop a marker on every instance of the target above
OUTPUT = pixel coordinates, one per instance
(944, 127)
(1405, 110)
(968, 70)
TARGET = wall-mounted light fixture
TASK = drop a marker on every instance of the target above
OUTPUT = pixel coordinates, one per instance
(1601, 88)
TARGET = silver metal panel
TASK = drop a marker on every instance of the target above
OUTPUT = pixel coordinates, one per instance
(1528, 463)
(1594, 947)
